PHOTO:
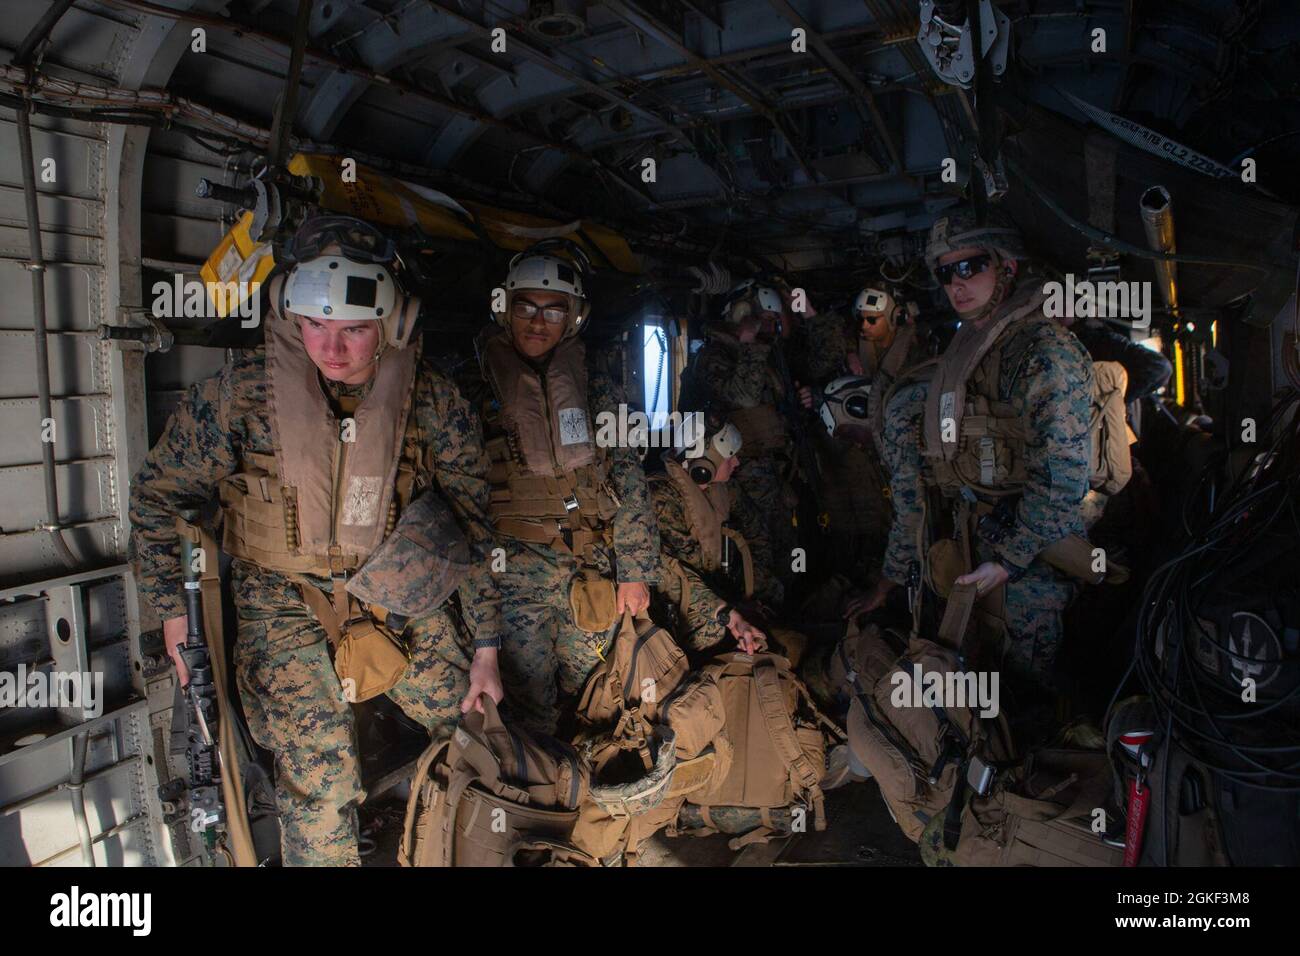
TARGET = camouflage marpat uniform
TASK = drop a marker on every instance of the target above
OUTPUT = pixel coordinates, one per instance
(822, 346)
(544, 656)
(729, 375)
(699, 628)
(1045, 376)
(283, 668)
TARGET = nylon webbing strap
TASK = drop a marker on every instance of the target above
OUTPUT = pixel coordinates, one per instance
(771, 705)
(746, 558)
(232, 781)
(956, 616)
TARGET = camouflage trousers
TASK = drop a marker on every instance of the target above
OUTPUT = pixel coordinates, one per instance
(1034, 609)
(759, 486)
(295, 707)
(544, 657)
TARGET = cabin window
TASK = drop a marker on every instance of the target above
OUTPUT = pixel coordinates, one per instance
(657, 372)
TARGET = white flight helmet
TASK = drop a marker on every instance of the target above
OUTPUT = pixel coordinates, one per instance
(844, 402)
(537, 269)
(724, 443)
(750, 298)
(874, 303)
(336, 281)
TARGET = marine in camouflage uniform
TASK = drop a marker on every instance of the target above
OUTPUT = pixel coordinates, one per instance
(1044, 380)
(609, 534)
(709, 586)
(291, 694)
(738, 379)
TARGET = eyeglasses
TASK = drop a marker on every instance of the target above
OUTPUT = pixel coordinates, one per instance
(962, 268)
(551, 314)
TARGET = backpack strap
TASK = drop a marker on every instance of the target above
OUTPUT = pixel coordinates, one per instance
(956, 616)
(771, 704)
(417, 781)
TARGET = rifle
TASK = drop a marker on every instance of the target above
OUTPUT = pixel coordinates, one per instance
(805, 454)
(202, 753)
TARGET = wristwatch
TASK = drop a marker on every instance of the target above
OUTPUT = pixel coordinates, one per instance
(486, 643)
(723, 616)
(1014, 573)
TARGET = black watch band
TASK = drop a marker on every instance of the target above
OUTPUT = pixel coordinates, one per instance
(486, 643)
(724, 614)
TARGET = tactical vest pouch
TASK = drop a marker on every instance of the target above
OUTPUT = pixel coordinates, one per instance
(1041, 815)
(593, 601)
(494, 796)
(368, 660)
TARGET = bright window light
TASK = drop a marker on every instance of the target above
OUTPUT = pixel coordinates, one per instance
(658, 391)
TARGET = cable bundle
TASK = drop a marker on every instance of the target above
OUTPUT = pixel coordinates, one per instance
(1247, 546)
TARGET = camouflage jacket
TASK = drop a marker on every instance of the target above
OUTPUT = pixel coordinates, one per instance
(1046, 376)
(726, 374)
(228, 414)
(635, 536)
(707, 591)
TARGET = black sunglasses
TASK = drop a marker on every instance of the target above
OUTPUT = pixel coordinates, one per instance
(962, 268)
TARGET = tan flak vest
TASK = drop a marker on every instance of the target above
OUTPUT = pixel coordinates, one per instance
(988, 453)
(321, 504)
(706, 511)
(550, 481)
(985, 450)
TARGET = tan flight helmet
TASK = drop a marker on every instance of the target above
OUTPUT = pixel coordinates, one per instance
(721, 441)
(343, 271)
(540, 268)
(959, 229)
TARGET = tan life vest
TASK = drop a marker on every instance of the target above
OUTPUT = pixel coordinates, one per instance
(550, 481)
(706, 512)
(305, 510)
(884, 371)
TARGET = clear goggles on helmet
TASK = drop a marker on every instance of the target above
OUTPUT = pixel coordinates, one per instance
(357, 240)
(551, 314)
(966, 268)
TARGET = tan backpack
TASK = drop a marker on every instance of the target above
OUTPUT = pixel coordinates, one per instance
(1041, 814)
(1111, 463)
(494, 795)
(639, 671)
(652, 734)
(778, 748)
(920, 756)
